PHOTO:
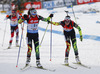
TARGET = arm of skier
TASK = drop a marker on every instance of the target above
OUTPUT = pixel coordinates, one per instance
(44, 19)
(22, 19)
(19, 15)
(80, 32)
(7, 17)
(54, 23)
(48, 20)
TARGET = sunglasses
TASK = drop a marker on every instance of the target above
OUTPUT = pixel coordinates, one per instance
(33, 12)
(67, 21)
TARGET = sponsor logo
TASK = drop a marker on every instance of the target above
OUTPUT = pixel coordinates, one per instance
(28, 6)
(84, 1)
(36, 6)
(14, 19)
(31, 21)
(34, 21)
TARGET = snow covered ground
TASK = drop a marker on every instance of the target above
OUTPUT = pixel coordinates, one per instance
(89, 48)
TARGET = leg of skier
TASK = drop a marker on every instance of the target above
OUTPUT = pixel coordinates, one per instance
(17, 36)
(29, 44)
(36, 44)
(68, 45)
(12, 35)
(67, 52)
(74, 43)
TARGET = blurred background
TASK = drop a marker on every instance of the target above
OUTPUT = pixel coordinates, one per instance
(7, 5)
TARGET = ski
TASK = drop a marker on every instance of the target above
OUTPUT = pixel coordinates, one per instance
(83, 65)
(10, 48)
(7, 48)
(70, 66)
(42, 68)
(45, 69)
(25, 67)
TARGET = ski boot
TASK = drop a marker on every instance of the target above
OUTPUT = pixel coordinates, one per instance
(9, 45)
(66, 61)
(77, 59)
(27, 61)
(17, 43)
(38, 64)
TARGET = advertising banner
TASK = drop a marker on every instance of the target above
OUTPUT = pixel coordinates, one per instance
(58, 3)
(84, 1)
(70, 2)
(52, 4)
(1, 7)
(36, 5)
(96, 0)
(48, 4)
(4, 7)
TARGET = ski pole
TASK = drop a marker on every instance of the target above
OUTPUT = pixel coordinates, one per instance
(73, 12)
(51, 42)
(23, 37)
(44, 35)
(4, 33)
(20, 46)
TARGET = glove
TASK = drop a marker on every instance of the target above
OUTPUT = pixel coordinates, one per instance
(81, 38)
(20, 21)
(48, 21)
(7, 16)
(51, 15)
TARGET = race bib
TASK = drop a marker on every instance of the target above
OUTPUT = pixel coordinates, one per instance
(32, 27)
(14, 22)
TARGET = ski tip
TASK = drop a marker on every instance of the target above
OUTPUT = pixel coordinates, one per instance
(50, 59)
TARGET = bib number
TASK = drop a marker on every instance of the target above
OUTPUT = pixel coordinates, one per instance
(32, 26)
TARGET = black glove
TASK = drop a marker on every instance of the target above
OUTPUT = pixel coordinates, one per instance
(51, 15)
(81, 38)
(48, 21)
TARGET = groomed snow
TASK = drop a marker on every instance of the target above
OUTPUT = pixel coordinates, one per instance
(89, 49)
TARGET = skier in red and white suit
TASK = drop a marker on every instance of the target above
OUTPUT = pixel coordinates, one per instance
(13, 26)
